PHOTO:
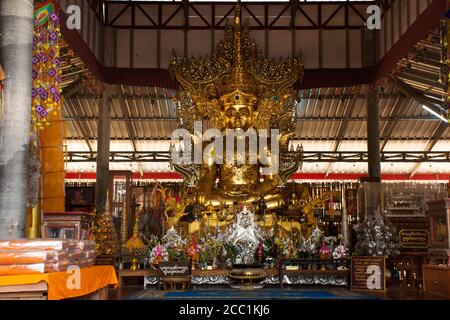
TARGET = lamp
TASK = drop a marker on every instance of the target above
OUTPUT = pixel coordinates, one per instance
(440, 116)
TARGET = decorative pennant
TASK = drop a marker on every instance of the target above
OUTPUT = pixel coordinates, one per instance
(46, 94)
(43, 13)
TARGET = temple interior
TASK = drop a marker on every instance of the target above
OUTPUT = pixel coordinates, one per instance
(225, 149)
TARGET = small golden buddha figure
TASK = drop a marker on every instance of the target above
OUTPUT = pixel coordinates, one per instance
(239, 91)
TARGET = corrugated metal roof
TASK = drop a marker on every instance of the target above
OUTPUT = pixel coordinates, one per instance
(328, 119)
(148, 116)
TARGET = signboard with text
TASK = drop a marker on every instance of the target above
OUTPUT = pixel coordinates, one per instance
(174, 269)
(414, 239)
(368, 274)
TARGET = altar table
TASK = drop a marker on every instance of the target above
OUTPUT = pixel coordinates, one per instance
(297, 277)
(93, 282)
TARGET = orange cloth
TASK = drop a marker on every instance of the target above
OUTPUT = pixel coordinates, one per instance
(91, 280)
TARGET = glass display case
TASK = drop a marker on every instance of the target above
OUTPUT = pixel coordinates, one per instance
(66, 225)
(80, 197)
(120, 202)
(410, 199)
(399, 199)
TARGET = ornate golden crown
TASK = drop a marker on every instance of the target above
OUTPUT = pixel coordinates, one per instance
(236, 73)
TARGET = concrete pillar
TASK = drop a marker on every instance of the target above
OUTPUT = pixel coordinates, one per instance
(103, 141)
(345, 230)
(16, 50)
(104, 125)
(373, 136)
(371, 53)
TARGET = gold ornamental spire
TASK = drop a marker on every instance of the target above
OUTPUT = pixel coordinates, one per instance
(238, 69)
(237, 14)
(237, 38)
(239, 87)
(103, 231)
(135, 240)
(236, 74)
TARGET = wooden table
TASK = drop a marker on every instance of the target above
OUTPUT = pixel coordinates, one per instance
(124, 273)
(436, 280)
(39, 291)
(171, 282)
(35, 291)
(220, 272)
(326, 273)
(92, 285)
(221, 275)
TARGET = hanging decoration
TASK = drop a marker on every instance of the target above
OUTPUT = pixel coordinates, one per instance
(46, 92)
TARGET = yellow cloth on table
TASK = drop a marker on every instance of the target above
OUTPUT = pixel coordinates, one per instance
(91, 280)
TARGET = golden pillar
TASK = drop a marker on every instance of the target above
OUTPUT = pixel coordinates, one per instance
(33, 212)
(52, 164)
(51, 185)
(33, 222)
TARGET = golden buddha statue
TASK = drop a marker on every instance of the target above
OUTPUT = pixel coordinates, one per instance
(239, 90)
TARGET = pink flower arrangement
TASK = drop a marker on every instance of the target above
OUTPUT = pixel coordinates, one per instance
(194, 249)
(159, 254)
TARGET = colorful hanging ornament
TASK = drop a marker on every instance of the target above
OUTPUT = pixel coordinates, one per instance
(46, 74)
(331, 205)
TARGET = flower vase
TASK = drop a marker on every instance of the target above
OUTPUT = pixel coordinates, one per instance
(156, 262)
(323, 256)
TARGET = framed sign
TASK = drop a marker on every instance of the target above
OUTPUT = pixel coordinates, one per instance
(414, 239)
(368, 274)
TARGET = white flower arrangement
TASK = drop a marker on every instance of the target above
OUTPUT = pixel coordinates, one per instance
(340, 252)
(312, 244)
(172, 239)
(316, 236)
(330, 241)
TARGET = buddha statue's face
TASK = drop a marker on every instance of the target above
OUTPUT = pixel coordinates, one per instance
(238, 116)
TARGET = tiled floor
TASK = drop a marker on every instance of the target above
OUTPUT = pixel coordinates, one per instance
(393, 293)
